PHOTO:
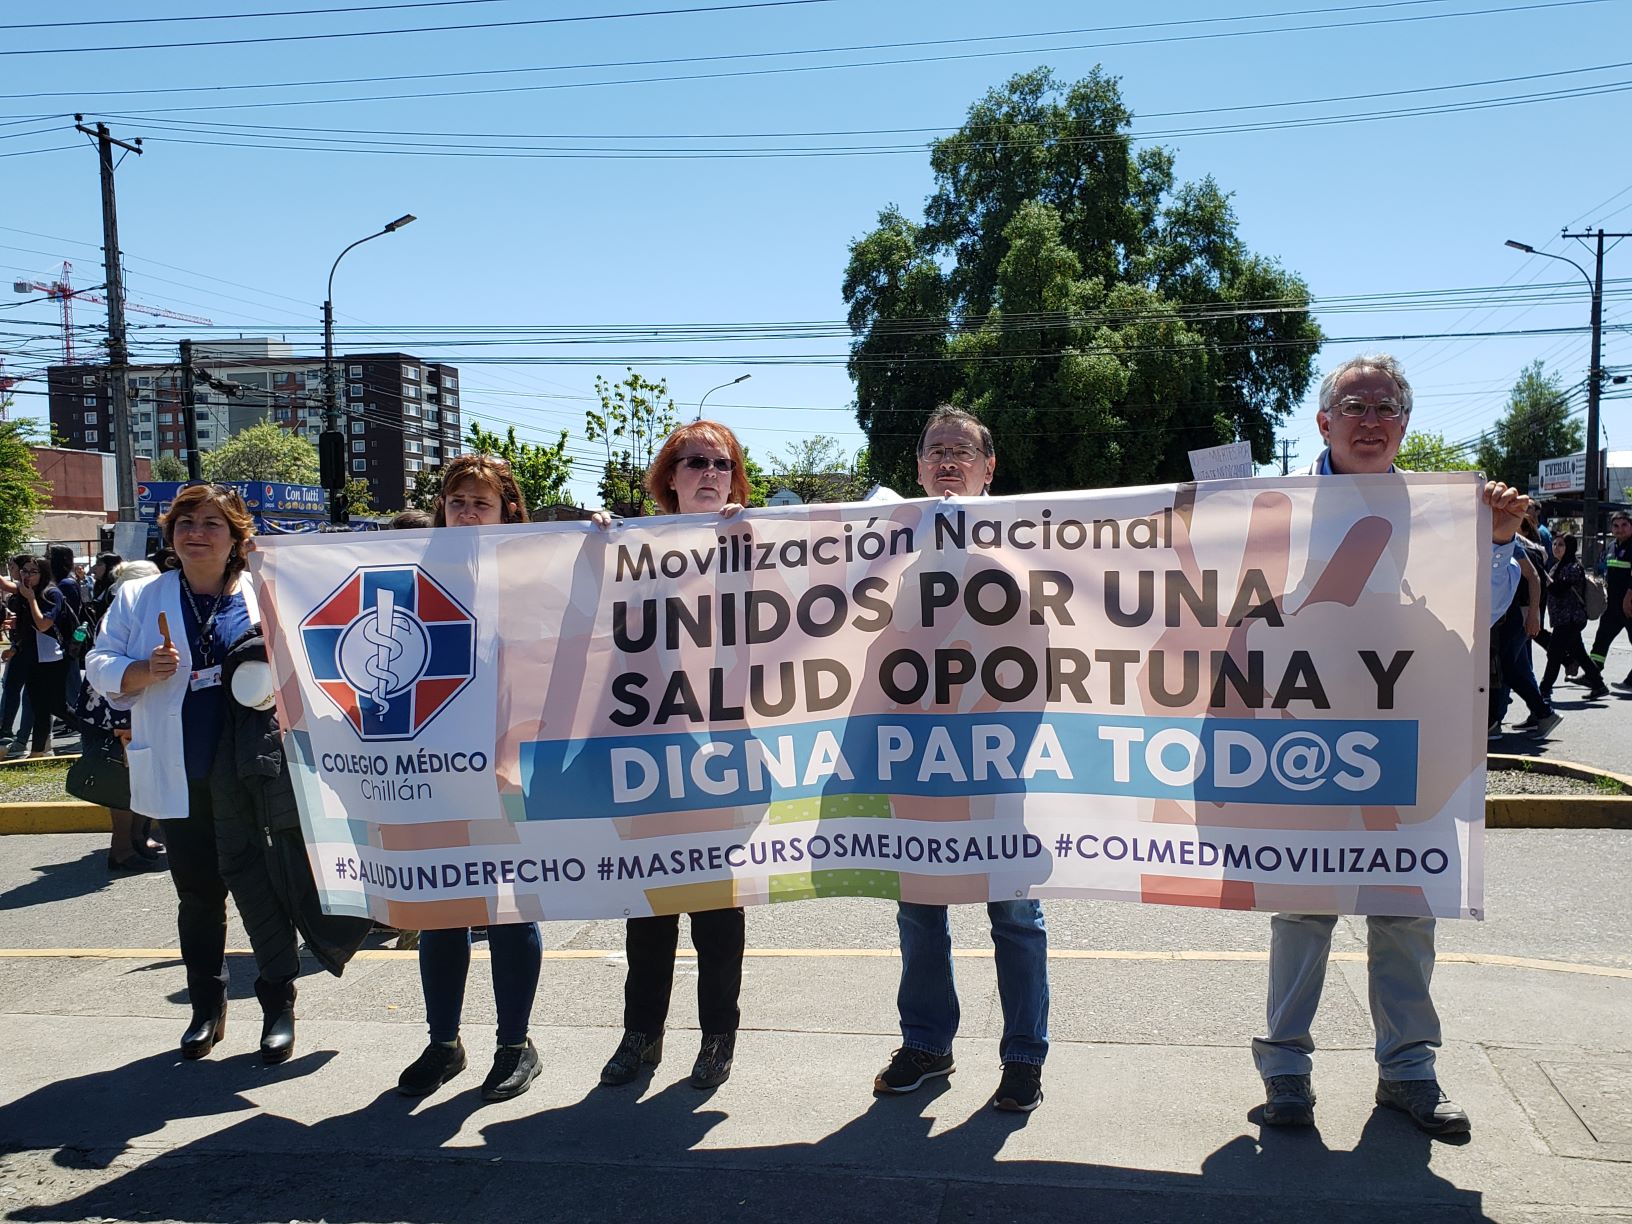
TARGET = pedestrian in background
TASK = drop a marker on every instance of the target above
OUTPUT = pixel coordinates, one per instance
(1618, 578)
(44, 622)
(1567, 608)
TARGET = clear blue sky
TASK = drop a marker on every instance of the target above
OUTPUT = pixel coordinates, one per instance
(1389, 207)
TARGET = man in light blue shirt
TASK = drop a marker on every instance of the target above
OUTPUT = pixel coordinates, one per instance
(1365, 409)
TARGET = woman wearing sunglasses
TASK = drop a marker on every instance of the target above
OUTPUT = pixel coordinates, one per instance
(699, 470)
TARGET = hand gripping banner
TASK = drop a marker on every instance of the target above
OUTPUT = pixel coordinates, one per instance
(1239, 694)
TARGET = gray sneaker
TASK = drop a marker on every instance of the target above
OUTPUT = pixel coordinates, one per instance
(1289, 1100)
(1426, 1104)
(1540, 724)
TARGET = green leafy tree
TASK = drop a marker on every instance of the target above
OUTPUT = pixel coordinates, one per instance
(759, 484)
(168, 467)
(22, 496)
(1536, 425)
(263, 452)
(1429, 452)
(426, 489)
(818, 470)
(1100, 317)
(359, 497)
(541, 470)
(634, 417)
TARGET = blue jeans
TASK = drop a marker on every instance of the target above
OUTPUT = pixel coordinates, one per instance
(928, 997)
(444, 963)
(1399, 972)
(1518, 673)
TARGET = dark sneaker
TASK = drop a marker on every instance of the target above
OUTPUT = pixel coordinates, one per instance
(713, 1065)
(1426, 1104)
(435, 1067)
(1289, 1100)
(1598, 692)
(1021, 1088)
(1624, 685)
(909, 1069)
(514, 1070)
(1540, 724)
(635, 1051)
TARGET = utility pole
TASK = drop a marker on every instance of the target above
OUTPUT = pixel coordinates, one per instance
(1286, 456)
(189, 412)
(1595, 379)
(124, 452)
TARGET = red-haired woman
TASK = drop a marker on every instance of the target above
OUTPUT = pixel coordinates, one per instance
(478, 490)
(699, 470)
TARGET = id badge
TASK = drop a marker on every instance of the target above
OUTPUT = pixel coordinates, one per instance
(206, 677)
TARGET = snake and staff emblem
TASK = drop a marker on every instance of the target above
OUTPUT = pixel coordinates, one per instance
(383, 652)
(387, 650)
(390, 647)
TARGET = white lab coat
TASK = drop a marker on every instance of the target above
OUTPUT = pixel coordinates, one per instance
(130, 633)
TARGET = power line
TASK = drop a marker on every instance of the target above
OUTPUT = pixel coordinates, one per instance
(354, 147)
(204, 126)
(365, 8)
(479, 25)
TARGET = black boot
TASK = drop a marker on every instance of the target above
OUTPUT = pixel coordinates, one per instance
(278, 1019)
(208, 1026)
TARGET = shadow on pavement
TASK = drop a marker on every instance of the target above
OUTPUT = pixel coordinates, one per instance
(611, 1156)
(61, 882)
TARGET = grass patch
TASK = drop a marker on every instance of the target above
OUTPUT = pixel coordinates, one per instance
(1607, 785)
(37, 782)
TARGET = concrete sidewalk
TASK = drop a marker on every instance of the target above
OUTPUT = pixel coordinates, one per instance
(1151, 1095)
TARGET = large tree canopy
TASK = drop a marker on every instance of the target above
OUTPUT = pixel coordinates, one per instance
(1537, 424)
(1101, 318)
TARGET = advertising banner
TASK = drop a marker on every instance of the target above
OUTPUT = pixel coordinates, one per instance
(1243, 694)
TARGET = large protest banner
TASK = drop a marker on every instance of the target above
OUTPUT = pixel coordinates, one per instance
(1241, 694)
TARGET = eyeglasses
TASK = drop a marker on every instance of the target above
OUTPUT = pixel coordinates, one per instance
(951, 454)
(701, 463)
(1386, 410)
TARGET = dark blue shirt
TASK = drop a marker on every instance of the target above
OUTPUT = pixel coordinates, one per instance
(204, 710)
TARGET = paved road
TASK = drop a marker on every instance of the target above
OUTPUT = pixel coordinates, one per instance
(1149, 1114)
(1597, 733)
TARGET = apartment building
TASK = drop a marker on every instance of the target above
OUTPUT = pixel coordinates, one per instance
(400, 414)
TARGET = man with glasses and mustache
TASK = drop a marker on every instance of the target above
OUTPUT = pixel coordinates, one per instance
(1365, 407)
(956, 458)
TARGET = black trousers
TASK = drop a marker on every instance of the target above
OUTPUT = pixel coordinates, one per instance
(1610, 625)
(649, 944)
(201, 916)
(47, 697)
(1565, 648)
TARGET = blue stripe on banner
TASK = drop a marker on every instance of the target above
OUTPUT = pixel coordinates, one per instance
(1312, 762)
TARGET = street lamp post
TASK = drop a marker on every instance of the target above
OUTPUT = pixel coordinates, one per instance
(1595, 374)
(721, 387)
(332, 444)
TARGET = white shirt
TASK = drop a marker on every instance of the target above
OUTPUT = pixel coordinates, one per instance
(129, 634)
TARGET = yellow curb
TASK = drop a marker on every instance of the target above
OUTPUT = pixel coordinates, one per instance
(12, 762)
(1485, 959)
(1558, 812)
(63, 816)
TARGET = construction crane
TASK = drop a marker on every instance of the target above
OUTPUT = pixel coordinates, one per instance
(61, 291)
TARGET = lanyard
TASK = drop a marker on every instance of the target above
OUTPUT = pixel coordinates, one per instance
(205, 624)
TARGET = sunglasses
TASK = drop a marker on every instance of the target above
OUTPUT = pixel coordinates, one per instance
(701, 463)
